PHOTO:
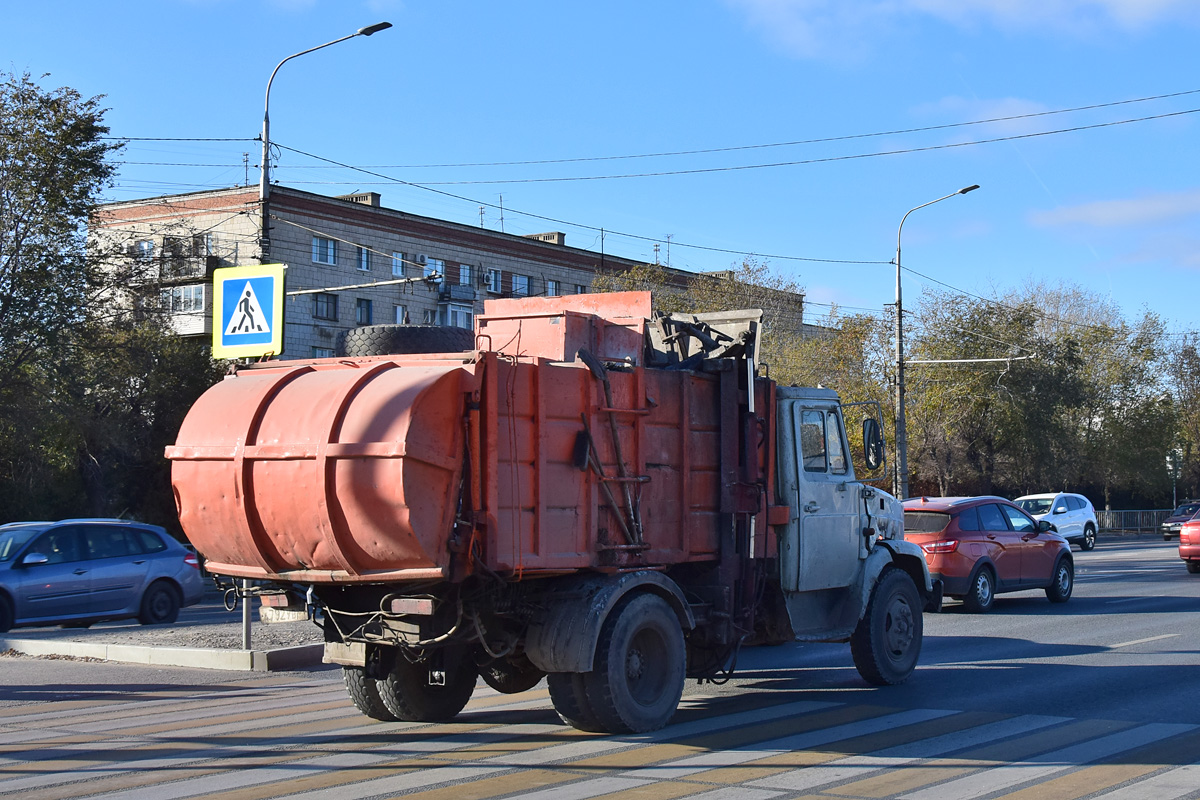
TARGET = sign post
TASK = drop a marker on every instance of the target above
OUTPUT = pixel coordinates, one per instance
(248, 311)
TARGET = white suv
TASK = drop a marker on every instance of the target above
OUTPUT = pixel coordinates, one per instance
(1071, 514)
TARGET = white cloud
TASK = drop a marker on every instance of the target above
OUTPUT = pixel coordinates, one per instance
(849, 28)
(1147, 210)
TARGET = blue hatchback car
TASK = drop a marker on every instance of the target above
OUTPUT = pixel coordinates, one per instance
(80, 571)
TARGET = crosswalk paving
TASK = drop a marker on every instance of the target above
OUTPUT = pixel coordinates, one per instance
(300, 738)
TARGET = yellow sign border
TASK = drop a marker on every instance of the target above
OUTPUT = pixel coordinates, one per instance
(273, 347)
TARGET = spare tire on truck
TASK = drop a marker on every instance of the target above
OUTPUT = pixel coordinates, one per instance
(386, 340)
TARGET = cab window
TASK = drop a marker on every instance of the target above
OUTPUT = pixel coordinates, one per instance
(812, 440)
(833, 445)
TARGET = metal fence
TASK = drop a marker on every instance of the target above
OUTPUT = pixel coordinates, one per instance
(1132, 521)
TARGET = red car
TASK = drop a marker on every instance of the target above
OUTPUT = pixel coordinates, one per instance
(983, 546)
(1189, 543)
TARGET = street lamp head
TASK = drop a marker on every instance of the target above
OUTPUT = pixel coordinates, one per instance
(969, 189)
(376, 28)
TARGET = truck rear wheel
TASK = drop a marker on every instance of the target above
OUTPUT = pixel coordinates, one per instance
(569, 696)
(410, 696)
(511, 675)
(638, 673)
(887, 641)
(364, 692)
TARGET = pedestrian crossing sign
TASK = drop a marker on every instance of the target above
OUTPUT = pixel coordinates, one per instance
(248, 311)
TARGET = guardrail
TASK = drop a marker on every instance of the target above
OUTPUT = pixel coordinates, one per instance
(1143, 521)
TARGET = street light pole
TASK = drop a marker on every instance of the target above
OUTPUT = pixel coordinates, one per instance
(900, 484)
(264, 181)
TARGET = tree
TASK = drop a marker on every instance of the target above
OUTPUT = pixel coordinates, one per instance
(53, 165)
(93, 385)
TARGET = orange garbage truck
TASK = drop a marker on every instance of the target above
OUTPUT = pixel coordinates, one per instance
(595, 494)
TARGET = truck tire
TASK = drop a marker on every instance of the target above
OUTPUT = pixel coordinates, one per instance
(386, 340)
(887, 641)
(511, 675)
(569, 696)
(409, 696)
(364, 692)
(637, 677)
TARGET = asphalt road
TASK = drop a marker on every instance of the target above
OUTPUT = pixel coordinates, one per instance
(1083, 700)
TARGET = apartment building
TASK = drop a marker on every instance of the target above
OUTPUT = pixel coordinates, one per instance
(350, 260)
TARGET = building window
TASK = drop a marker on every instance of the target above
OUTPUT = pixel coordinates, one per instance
(397, 265)
(553, 288)
(183, 299)
(580, 289)
(520, 285)
(493, 281)
(464, 274)
(363, 259)
(322, 352)
(362, 311)
(460, 316)
(401, 315)
(325, 306)
(143, 250)
(324, 250)
(436, 267)
(429, 316)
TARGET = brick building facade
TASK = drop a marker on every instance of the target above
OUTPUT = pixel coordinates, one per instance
(330, 242)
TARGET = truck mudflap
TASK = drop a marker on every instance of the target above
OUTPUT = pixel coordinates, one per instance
(564, 638)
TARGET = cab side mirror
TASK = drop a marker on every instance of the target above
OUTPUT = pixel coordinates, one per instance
(1045, 525)
(34, 559)
(872, 444)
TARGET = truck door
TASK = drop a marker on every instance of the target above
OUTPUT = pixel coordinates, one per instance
(825, 540)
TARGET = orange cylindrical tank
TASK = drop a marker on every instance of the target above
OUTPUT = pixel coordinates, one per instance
(341, 470)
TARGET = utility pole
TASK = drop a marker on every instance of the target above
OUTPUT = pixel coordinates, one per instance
(264, 184)
(900, 485)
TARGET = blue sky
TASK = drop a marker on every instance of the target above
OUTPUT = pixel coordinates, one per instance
(797, 103)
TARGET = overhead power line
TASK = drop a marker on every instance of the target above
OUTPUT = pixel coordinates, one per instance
(825, 160)
(597, 229)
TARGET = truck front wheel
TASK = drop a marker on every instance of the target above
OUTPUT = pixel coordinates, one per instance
(637, 677)
(887, 641)
(423, 693)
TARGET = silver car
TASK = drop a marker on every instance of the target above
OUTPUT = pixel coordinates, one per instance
(80, 571)
(1071, 514)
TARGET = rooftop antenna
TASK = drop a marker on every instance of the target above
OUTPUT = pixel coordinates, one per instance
(502, 213)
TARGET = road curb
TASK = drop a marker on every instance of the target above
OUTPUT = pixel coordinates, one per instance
(283, 658)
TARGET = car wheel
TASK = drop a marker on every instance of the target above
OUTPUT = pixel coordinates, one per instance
(160, 604)
(6, 614)
(1193, 566)
(1089, 538)
(1166, 537)
(1059, 590)
(983, 591)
